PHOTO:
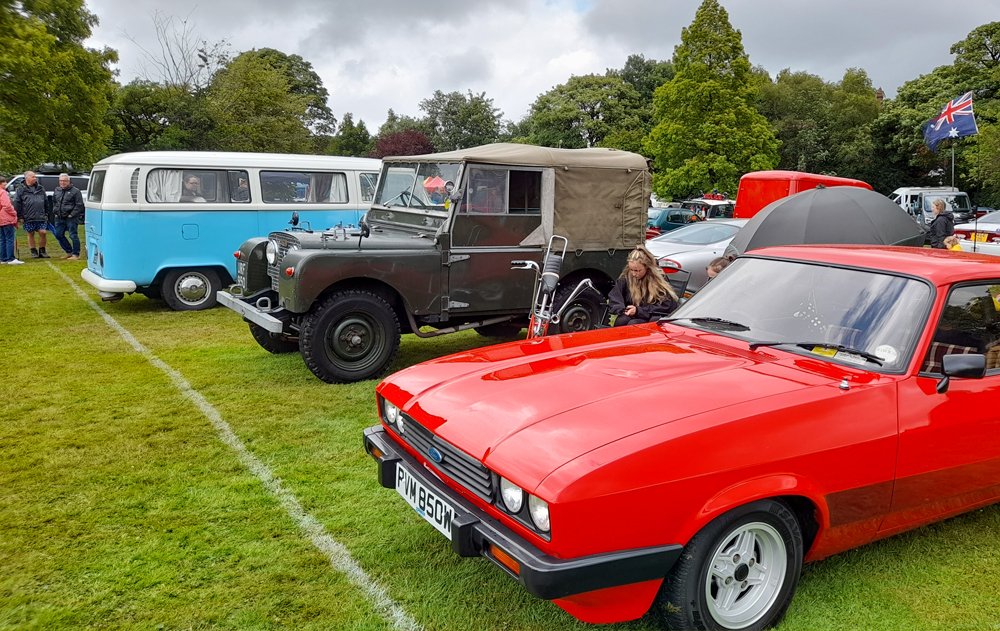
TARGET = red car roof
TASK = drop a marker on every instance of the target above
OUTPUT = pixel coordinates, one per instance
(941, 267)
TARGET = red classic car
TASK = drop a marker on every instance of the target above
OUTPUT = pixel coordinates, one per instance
(819, 398)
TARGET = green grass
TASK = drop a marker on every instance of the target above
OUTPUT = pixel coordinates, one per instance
(121, 508)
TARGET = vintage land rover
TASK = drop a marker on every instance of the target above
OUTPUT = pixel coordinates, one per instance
(436, 250)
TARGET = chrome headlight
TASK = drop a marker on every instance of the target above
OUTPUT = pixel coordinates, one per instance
(271, 252)
(539, 511)
(512, 494)
(390, 413)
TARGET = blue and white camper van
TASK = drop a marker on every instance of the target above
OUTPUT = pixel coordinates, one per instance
(166, 223)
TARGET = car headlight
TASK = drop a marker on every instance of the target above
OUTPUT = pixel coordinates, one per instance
(512, 494)
(390, 413)
(539, 511)
(271, 252)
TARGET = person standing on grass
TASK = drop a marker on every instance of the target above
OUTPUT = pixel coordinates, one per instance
(32, 206)
(67, 206)
(8, 227)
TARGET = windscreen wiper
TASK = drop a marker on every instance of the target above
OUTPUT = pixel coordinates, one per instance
(875, 359)
(735, 326)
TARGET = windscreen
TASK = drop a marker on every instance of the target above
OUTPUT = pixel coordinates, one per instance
(422, 185)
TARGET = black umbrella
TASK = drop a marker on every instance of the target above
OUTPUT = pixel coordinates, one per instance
(839, 214)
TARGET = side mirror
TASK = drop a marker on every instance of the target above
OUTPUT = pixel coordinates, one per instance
(961, 367)
(295, 218)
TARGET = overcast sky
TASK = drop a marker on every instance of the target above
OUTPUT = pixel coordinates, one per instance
(379, 54)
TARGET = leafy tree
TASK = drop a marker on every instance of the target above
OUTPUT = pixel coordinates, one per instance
(254, 109)
(708, 133)
(303, 80)
(351, 139)
(408, 142)
(588, 111)
(148, 116)
(395, 123)
(645, 75)
(457, 120)
(54, 92)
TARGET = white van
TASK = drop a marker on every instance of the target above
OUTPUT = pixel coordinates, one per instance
(917, 201)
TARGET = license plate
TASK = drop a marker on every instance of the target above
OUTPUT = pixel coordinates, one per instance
(241, 273)
(979, 236)
(431, 506)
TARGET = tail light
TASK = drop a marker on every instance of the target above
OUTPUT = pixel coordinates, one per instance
(963, 234)
(995, 238)
(669, 265)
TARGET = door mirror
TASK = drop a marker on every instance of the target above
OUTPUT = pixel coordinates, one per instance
(961, 367)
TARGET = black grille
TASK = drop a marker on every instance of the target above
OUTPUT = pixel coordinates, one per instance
(457, 465)
(284, 244)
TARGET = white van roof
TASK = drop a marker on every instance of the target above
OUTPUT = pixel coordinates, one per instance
(925, 189)
(234, 160)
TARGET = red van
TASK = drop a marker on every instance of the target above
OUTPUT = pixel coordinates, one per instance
(760, 188)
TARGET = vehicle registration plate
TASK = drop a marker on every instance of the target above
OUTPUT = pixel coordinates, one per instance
(979, 236)
(431, 506)
(241, 273)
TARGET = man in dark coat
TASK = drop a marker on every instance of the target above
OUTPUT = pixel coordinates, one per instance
(943, 225)
(67, 206)
(32, 206)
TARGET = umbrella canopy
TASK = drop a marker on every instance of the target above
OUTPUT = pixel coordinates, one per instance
(839, 214)
(432, 183)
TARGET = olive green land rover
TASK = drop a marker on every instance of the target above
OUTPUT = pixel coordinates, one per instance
(436, 251)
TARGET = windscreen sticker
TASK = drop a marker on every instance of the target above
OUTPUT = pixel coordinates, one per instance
(887, 353)
(825, 352)
(851, 358)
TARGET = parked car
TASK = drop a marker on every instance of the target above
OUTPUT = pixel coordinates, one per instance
(820, 397)
(917, 201)
(712, 206)
(442, 235)
(760, 188)
(670, 219)
(693, 247)
(49, 182)
(982, 235)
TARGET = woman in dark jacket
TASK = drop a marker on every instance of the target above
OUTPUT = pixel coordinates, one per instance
(943, 225)
(642, 293)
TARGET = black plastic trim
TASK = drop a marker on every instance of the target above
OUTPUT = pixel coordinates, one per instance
(541, 575)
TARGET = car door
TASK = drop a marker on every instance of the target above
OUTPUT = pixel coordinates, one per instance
(949, 444)
(500, 208)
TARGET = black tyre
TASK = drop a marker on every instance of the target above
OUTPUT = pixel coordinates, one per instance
(191, 289)
(273, 343)
(501, 331)
(582, 315)
(349, 336)
(739, 572)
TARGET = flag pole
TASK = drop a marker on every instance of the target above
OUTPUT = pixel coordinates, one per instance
(953, 164)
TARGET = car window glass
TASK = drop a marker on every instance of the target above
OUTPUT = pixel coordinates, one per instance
(970, 324)
(368, 181)
(525, 192)
(186, 186)
(96, 189)
(487, 191)
(306, 187)
(239, 187)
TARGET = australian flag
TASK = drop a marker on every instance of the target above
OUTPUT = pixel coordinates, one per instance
(955, 121)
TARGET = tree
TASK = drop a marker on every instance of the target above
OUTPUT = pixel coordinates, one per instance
(457, 120)
(184, 60)
(708, 133)
(645, 75)
(146, 116)
(254, 109)
(588, 111)
(54, 92)
(408, 142)
(302, 80)
(351, 139)
(394, 123)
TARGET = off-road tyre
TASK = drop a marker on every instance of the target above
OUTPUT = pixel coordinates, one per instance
(349, 336)
(683, 601)
(584, 314)
(273, 343)
(178, 281)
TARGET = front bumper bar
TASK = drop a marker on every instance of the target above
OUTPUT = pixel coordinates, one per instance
(541, 575)
(251, 313)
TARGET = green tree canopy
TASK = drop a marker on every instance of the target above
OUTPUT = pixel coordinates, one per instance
(254, 109)
(302, 80)
(54, 93)
(457, 121)
(708, 132)
(351, 140)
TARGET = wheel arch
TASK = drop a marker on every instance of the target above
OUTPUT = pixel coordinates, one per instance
(224, 276)
(378, 287)
(600, 278)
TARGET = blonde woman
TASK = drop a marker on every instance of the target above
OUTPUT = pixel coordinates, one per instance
(642, 293)
(942, 226)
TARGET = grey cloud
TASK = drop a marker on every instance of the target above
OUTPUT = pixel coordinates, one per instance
(473, 68)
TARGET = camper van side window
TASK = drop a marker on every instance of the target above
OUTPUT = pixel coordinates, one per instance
(279, 187)
(239, 187)
(185, 186)
(96, 190)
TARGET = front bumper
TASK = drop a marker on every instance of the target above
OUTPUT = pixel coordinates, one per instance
(542, 575)
(108, 286)
(252, 313)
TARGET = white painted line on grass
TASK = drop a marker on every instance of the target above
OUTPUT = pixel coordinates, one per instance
(340, 557)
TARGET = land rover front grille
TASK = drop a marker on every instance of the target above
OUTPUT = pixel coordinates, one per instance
(284, 244)
(454, 463)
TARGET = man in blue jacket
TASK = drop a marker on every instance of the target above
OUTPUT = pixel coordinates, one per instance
(68, 208)
(32, 206)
